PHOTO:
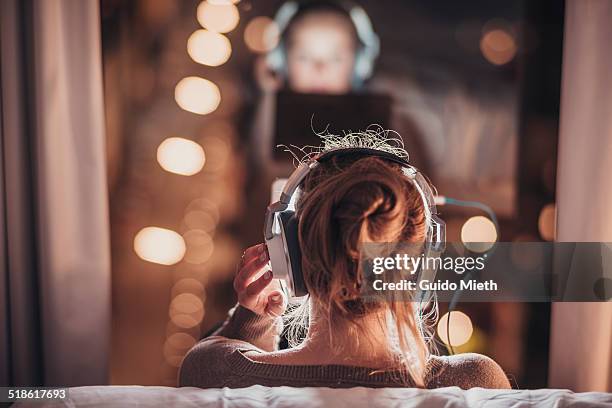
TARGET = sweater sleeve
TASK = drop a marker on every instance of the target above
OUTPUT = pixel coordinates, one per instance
(243, 324)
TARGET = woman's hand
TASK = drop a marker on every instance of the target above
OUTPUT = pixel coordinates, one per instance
(256, 289)
(267, 80)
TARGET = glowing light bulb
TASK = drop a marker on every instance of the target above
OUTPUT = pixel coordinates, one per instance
(261, 34)
(478, 234)
(219, 17)
(547, 222)
(197, 95)
(209, 48)
(200, 246)
(176, 346)
(159, 245)
(498, 46)
(461, 328)
(180, 156)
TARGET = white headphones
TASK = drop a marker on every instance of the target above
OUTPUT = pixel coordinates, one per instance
(369, 43)
(281, 222)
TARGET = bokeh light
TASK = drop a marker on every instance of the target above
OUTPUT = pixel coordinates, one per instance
(180, 156)
(461, 328)
(188, 285)
(199, 246)
(209, 48)
(478, 234)
(176, 346)
(217, 16)
(185, 303)
(202, 220)
(547, 222)
(261, 34)
(498, 46)
(206, 205)
(219, 151)
(159, 245)
(197, 95)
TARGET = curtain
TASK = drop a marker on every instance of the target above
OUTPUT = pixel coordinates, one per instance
(581, 333)
(55, 271)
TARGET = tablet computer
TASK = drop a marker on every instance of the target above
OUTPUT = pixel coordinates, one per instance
(299, 117)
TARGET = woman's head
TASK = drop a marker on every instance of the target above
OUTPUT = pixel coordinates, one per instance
(346, 201)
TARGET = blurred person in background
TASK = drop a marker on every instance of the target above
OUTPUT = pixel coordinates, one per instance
(325, 47)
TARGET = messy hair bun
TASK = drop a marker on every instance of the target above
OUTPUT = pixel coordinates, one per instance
(345, 201)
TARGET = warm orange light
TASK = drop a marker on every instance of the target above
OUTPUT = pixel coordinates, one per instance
(206, 205)
(180, 156)
(218, 17)
(498, 46)
(261, 34)
(547, 222)
(209, 48)
(176, 346)
(188, 285)
(461, 328)
(186, 303)
(478, 234)
(159, 245)
(186, 309)
(200, 220)
(197, 95)
(199, 246)
(219, 151)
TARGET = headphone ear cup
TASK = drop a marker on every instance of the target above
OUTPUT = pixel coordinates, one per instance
(289, 224)
(277, 61)
(362, 68)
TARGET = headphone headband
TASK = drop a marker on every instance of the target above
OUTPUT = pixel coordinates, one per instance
(305, 168)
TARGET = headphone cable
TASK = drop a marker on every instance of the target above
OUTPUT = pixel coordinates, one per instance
(442, 200)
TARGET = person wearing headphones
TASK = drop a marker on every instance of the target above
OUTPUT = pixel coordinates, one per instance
(356, 190)
(325, 47)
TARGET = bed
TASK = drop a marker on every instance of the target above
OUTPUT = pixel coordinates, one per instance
(265, 397)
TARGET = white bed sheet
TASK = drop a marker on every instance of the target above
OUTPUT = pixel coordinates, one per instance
(265, 397)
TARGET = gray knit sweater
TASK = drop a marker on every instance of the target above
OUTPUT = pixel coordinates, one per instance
(220, 361)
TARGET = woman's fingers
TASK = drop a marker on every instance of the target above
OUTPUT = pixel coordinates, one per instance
(247, 273)
(277, 303)
(252, 284)
(252, 252)
(259, 284)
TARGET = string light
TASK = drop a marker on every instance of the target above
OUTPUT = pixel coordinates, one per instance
(199, 246)
(547, 222)
(209, 48)
(197, 95)
(478, 234)
(180, 156)
(159, 245)
(218, 17)
(461, 328)
(498, 46)
(261, 34)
